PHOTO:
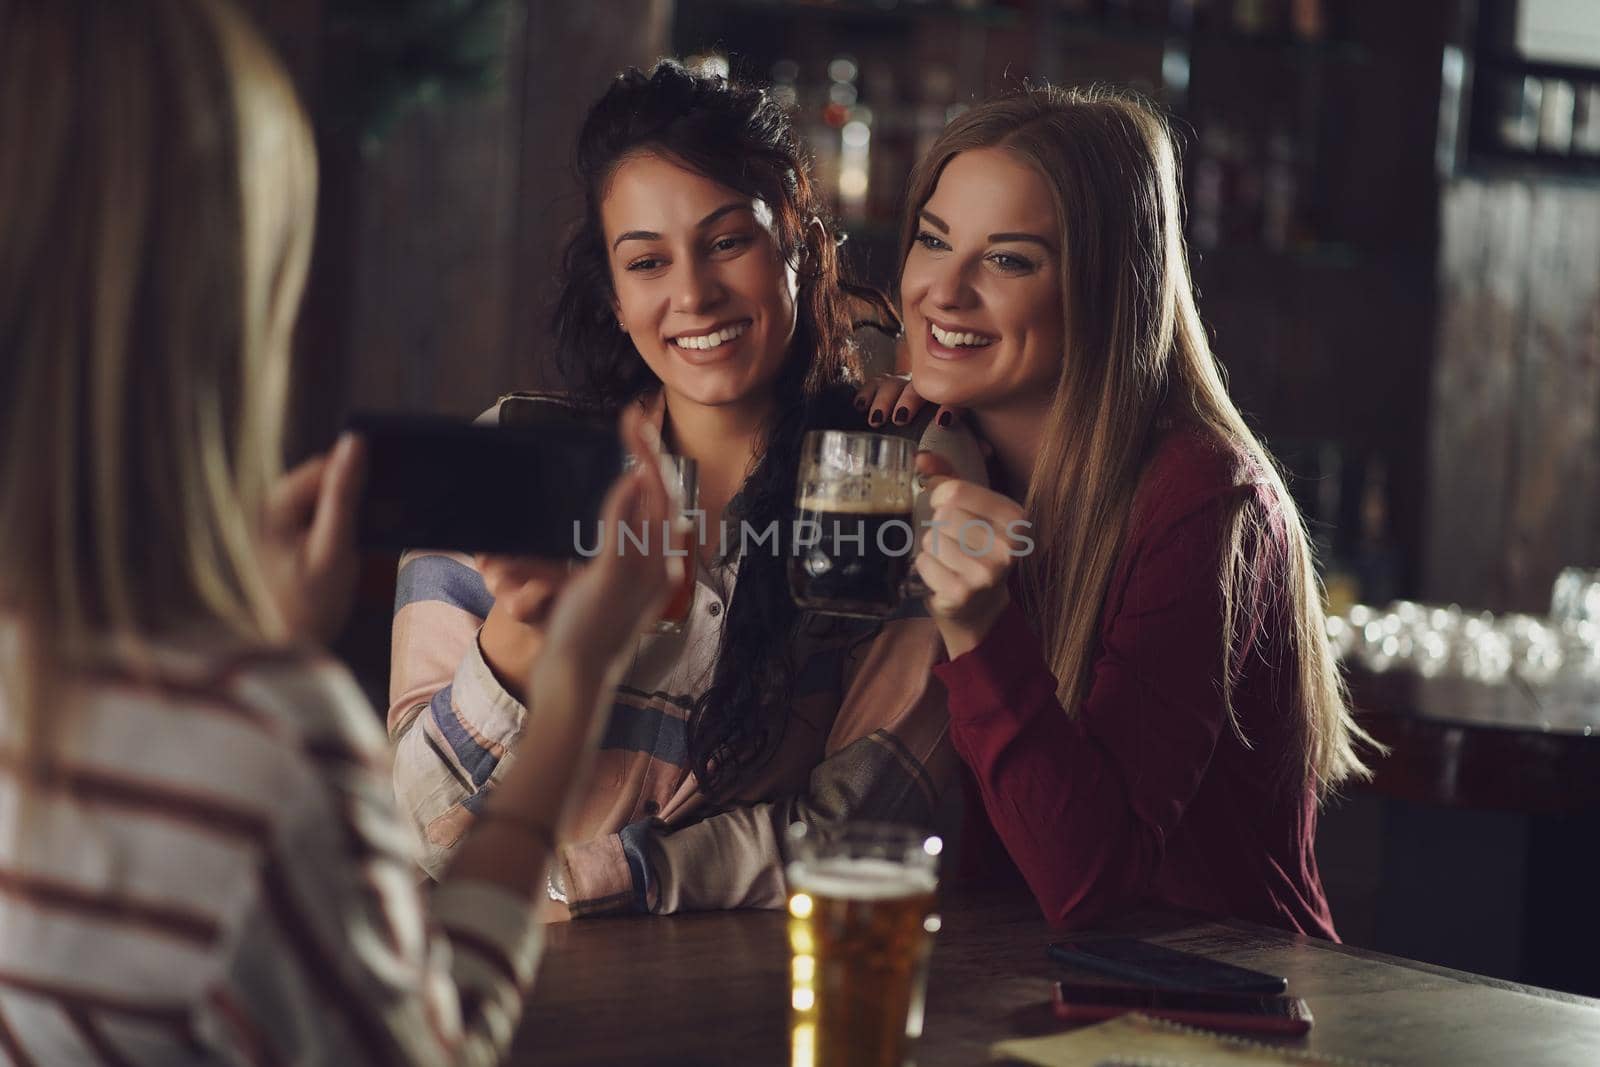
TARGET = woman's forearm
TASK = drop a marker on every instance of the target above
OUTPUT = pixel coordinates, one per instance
(553, 755)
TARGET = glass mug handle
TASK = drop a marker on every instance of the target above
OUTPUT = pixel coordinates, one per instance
(914, 588)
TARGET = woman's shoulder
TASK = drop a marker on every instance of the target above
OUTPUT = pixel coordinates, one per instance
(292, 695)
(532, 406)
(1190, 467)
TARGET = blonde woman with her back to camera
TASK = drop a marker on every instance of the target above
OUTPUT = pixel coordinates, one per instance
(200, 857)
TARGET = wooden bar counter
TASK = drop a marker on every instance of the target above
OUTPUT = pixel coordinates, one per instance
(712, 989)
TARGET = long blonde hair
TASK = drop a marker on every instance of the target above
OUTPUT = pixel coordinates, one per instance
(1137, 360)
(157, 183)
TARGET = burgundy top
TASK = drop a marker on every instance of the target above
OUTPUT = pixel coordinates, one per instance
(1148, 795)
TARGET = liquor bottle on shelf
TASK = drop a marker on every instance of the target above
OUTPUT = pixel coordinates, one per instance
(1279, 193)
(853, 122)
(1251, 17)
(785, 73)
(1308, 19)
(819, 127)
(1341, 580)
(855, 163)
(1519, 99)
(936, 101)
(1184, 15)
(1123, 11)
(1556, 106)
(1586, 122)
(1209, 201)
(893, 142)
(1245, 190)
(1377, 561)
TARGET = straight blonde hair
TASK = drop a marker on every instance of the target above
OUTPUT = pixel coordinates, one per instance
(1137, 361)
(157, 185)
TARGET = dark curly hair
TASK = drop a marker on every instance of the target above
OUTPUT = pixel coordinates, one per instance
(737, 136)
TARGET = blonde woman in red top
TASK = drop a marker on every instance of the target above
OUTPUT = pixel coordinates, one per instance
(1140, 685)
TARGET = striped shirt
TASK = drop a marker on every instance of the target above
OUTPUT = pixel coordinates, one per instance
(218, 875)
(866, 738)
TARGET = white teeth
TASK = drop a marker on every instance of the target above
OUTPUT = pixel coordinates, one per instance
(715, 338)
(959, 340)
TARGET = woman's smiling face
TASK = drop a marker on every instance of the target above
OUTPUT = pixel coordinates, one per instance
(981, 286)
(701, 285)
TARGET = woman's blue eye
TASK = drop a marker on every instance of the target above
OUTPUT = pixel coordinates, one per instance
(930, 242)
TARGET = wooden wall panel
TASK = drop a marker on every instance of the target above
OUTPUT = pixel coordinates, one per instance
(436, 244)
(432, 275)
(1474, 379)
(1514, 462)
(571, 53)
(1554, 511)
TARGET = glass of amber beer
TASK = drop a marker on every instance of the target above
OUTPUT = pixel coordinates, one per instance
(861, 920)
(854, 537)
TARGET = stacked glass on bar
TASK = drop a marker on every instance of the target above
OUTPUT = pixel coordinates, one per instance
(1470, 657)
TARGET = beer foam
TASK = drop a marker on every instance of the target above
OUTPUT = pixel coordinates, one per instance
(858, 496)
(861, 878)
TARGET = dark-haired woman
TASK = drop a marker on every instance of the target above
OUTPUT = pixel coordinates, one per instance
(704, 286)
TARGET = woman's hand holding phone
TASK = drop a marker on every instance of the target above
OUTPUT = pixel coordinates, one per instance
(590, 624)
(596, 615)
(526, 589)
(308, 542)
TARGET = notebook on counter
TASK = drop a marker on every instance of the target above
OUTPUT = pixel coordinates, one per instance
(1139, 1041)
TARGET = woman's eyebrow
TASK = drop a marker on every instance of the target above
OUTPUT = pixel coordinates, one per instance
(725, 209)
(651, 235)
(1001, 238)
(635, 235)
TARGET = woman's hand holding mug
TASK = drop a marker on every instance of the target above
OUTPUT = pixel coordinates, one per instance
(974, 538)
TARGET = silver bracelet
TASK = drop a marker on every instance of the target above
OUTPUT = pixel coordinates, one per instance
(555, 890)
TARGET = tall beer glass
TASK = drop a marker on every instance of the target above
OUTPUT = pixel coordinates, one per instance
(683, 482)
(861, 920)
(854, 537)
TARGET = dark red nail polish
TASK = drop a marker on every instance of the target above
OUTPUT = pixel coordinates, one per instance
(902, 416)
(945, 419)
(875, 419)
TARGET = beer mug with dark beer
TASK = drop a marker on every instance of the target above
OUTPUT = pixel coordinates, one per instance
(861, 925)
(854, 537)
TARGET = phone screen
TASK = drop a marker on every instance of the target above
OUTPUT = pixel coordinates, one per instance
(447, 484)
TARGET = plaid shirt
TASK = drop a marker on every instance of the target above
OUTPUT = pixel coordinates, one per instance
(866, 738)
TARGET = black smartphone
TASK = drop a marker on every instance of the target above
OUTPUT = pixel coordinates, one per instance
(1247, 1012)
(450, 484)
(1159, 967)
